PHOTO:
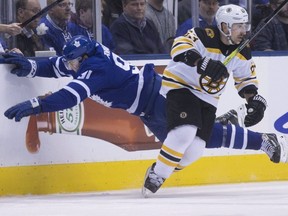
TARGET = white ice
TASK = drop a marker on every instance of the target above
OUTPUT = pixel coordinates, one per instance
(246, 199)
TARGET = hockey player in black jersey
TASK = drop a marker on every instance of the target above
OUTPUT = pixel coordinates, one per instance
(108, 79)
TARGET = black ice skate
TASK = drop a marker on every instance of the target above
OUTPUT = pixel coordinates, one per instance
(233, 117)
(276, 147)
(152, 182)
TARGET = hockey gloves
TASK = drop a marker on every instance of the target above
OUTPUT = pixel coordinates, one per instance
(255, 110)
(24, 66)
(26, 108)
(212, 68)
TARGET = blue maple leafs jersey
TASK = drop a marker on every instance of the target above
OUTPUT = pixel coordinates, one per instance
(104, 77)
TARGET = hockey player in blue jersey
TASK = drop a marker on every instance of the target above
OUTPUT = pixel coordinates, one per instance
(109, 80)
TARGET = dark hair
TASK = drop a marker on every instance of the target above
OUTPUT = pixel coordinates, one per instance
(274, 2)
(124, 2)
(21, 4)
(82, 4)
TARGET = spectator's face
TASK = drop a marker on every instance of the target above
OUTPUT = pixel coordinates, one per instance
(135, 9)
(86, 17)
(208, 8)
(284, 11)
(61, 12)
(32, 7)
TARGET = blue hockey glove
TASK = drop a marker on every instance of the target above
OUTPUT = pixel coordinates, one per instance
(255, 110)
(26, 108)
(24, 66)
(212, 68)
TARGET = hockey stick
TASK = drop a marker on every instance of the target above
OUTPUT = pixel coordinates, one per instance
(214, 87)
(254, 33)
(39, 14)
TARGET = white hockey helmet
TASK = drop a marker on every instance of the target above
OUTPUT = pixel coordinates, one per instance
(231, 14)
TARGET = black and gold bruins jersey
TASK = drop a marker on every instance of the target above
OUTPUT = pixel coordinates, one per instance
(207, 42)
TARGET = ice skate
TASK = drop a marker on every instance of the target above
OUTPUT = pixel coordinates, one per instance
(276, 147)
(235, 117)
(152, 182)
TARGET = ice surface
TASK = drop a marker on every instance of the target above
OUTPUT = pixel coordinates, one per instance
(249, 199)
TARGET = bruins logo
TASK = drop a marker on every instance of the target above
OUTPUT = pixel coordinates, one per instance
(212, 87)
(210, 32)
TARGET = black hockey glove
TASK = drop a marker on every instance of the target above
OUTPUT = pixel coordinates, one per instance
(26, 108)
(24, 66)
(212, 68)
(255, 110)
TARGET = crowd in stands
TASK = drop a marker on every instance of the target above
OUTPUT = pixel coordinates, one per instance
(131, 26)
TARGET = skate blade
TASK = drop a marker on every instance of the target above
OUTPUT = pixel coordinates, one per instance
(145, 192)
(283, 141)
(241, 113)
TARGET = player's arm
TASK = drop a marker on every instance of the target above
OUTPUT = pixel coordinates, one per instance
(184, 50)
(70, 95)
(26, 67)
(67, 97)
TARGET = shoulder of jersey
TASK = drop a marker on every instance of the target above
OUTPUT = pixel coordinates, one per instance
(210, 38)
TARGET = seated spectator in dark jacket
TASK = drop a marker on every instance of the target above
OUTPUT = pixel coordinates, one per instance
(260, 10)
(164, 21)
(111, 10)
(207, 12)
(275, 35)
(133, 33)
(28, 41)
(55, 28)
(84, 22)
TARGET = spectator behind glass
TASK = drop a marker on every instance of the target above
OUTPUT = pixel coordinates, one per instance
(184, 8)
(28, 42)
(112, 9)
(84, 21)
(207, 11)
(164, 21)
(275, 35)
(55, 27)
(260, 10)
(133, 33)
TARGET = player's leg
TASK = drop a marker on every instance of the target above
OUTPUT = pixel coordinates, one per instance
(236, 137)
(184, 114)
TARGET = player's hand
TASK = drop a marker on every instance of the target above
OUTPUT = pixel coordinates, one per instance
(23, 66)
(256, 107)
(26, 108)
(216, 70)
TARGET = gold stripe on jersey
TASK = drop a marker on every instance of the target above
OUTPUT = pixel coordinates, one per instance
(240, 86)
(180, 45)
(207, 43)
(240, 56)
(213, 50)
(171, 80)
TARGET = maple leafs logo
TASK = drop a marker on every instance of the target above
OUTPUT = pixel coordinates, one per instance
(77, 44)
